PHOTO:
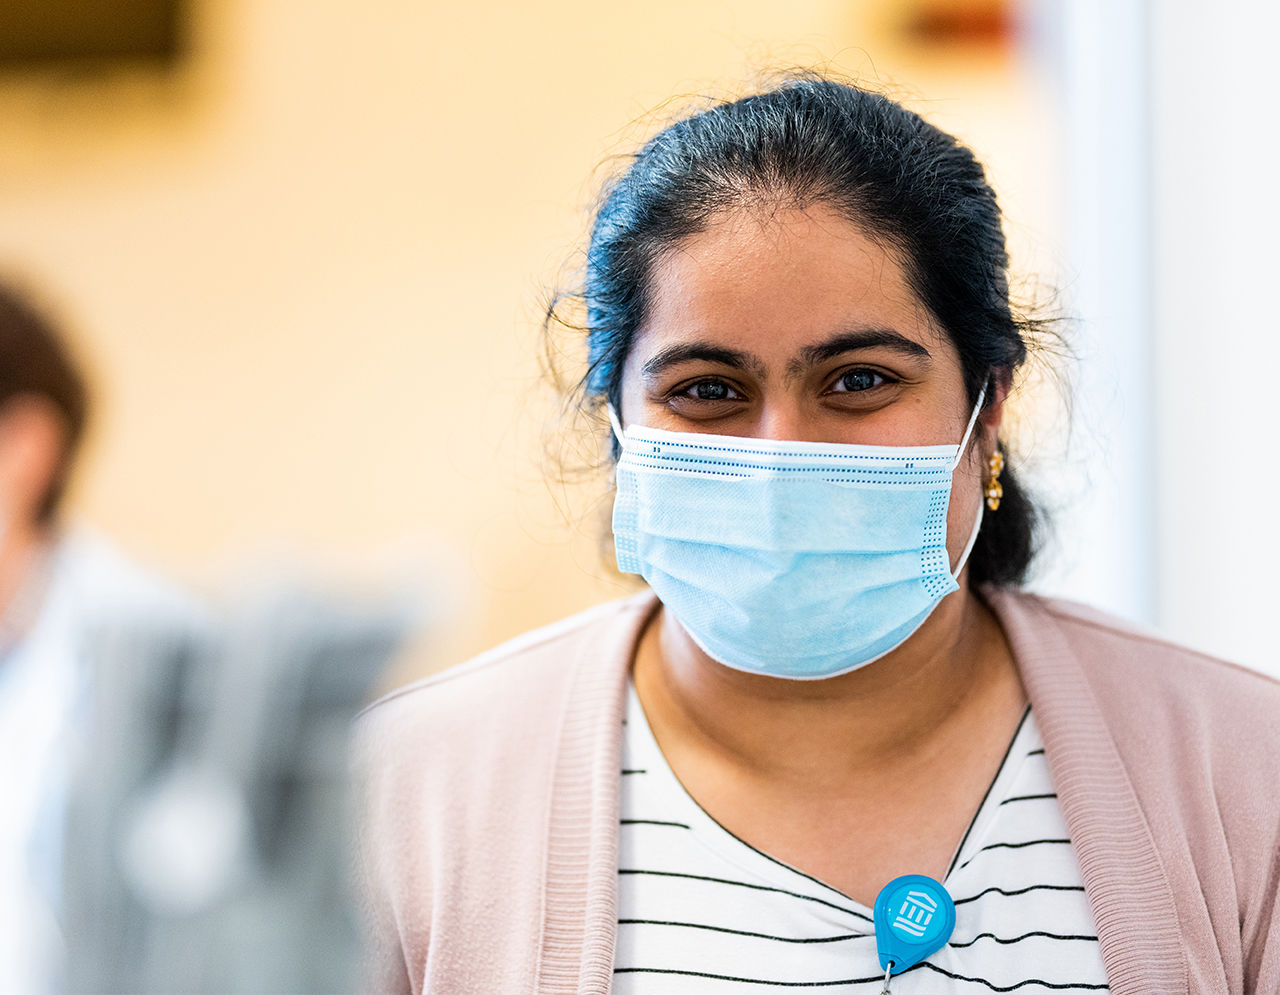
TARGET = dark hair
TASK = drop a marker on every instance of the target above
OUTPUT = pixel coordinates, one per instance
(34, 362)
(816, 141)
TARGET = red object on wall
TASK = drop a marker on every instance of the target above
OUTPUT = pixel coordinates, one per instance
(958, 22)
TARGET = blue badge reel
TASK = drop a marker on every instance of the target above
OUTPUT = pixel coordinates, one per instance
(914, 917)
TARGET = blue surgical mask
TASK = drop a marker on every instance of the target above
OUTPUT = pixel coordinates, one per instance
(801, 560)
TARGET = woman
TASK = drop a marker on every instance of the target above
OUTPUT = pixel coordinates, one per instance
(798, 322)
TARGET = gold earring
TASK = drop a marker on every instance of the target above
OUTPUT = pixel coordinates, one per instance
(992, 488)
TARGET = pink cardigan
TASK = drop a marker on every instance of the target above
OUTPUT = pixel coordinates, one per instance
(490, 834)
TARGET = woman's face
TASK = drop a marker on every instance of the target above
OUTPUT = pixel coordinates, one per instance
(793, 324)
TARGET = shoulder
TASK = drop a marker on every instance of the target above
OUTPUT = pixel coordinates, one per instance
(109, 587)
(502, 679)
(511, 692)
(1128, 664)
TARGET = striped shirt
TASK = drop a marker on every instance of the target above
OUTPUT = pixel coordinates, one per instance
(700, 911)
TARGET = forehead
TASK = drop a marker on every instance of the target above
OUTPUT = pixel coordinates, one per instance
(773, 280)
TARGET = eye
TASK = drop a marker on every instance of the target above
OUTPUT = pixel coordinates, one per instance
(857, 380)
(709, 390)
(705, 399)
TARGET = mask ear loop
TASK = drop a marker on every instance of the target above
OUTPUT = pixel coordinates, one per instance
(964, 442)
(968, 546)
(968, 429)
(617, 425)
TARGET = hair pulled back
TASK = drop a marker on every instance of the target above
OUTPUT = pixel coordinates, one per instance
(816, 141)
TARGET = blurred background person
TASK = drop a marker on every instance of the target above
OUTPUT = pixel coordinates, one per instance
(65, 594)
(43, 408)
(171, 815)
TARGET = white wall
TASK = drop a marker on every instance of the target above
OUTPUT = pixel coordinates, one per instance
(1100, 489)
(1171, 147)
(1216, 347)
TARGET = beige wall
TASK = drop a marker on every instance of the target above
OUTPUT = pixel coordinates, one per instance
(306, 274)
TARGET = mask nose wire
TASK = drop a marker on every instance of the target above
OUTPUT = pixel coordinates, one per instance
(973, 419)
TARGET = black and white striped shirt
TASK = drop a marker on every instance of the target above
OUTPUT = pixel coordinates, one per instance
(700, 911)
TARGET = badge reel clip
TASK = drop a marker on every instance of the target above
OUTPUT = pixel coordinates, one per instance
(914, 917)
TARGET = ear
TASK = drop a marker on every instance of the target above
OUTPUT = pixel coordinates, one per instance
(993, 413)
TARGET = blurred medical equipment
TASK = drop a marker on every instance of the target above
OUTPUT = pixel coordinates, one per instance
(207, 839)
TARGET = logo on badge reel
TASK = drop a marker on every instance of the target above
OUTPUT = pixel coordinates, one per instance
(914, 917)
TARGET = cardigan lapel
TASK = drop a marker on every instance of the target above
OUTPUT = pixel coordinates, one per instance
(580, 910)
(1128, 890)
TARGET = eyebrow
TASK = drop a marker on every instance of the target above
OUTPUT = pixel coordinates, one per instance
(705, 351)
(863, 338)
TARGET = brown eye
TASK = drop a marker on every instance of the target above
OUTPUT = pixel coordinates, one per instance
(711, 390)
(858, 380)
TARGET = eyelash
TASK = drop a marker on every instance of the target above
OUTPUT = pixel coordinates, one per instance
(685, 391)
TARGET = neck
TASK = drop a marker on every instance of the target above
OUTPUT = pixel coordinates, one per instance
(954, 670)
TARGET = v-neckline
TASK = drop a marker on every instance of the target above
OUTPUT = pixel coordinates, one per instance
(759, 863)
